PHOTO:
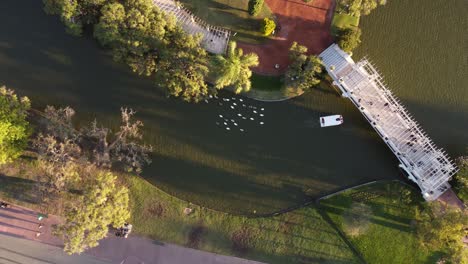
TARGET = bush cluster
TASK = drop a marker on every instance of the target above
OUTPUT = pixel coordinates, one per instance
(268, 26)
(349, 39)
(255, 6)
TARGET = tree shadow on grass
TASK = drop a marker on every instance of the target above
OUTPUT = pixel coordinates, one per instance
(380, 216)
(14, 188)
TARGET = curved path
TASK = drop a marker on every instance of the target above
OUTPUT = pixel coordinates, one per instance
(306, 23)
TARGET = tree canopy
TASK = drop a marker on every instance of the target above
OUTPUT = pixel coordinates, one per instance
(136, 31)
(304, 71)
(124, 146)
(151, 43)
(361, 7)
(443, 229)
(14, 128)
(184, 66)
(234, 68)
(102, 203)
(349, 39)
(461, 179)
(75, 14)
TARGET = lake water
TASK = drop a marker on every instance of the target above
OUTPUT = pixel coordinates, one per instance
(421, 47)
(286, 160)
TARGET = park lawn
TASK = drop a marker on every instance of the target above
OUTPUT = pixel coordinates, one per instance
(300, 236)
(343, 21)
(390, 237)
(270, 89)
(233, 15)
(295, 237)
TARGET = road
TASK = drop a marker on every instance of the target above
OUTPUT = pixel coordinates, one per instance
(15, 250)
(19, 244)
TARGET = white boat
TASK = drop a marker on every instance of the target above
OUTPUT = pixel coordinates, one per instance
(333, 120)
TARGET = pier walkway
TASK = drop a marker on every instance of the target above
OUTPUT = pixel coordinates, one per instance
(425, 164)
(214, 39)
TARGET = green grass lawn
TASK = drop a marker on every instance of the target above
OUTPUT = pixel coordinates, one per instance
(342, 21)
(390, 237)
(233, 15)
(301, 236)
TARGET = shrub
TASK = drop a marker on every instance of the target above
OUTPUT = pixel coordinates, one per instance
(255, 6)
(268, 26)
(349, 39)
(14, 127)
(460, 183)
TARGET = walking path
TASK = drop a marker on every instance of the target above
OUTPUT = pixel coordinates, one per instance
(19, 244)
(306, 23)
(15, 250)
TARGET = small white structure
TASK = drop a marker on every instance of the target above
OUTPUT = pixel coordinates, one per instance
(332, 120)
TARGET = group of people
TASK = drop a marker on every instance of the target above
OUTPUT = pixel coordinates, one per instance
(124, 231)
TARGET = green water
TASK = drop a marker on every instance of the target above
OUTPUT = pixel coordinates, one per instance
(421, 47)
(282, 163)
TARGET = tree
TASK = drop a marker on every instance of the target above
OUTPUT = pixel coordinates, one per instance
(443, 229)
(136, 31)
(268, 26)
(58, 162)
(234, 68)
(361, 7)
(14, 128)
(184, 67)
(102, 203)
(57, 122)
(349, 39)
(62, 143)
(75, 14)
(151, 43)
(304, 71)
(122, 146)
(461, 179)
(255, 6)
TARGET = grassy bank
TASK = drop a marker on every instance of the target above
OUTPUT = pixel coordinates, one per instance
(233, 15)
(270, 88)
(301, 236)
(390, 236)
(342, 21)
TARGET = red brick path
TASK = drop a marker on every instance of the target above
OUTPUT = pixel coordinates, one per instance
(23, 223)
(306, 23)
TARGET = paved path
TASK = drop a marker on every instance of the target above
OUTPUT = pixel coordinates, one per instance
(20, 245)
(15, 250)
(451, 198)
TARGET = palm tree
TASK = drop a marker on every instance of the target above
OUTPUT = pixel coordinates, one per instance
(234, 69)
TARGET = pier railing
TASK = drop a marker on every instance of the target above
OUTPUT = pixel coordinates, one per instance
(424, 163)
(214, 39)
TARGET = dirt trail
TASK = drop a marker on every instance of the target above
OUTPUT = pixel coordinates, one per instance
(306, 23)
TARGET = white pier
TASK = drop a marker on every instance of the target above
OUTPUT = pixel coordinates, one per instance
(424, 163)
(214, 39)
